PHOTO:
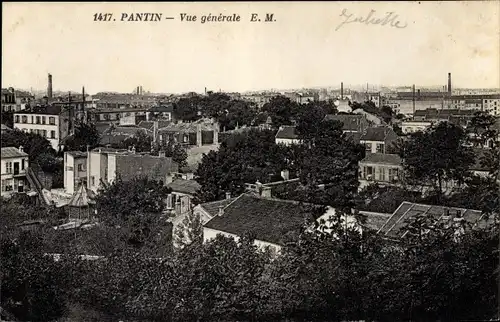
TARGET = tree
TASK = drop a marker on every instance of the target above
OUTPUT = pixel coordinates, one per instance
(141, 141)
(173, 150)
(85, 136)
(189, 231)
(281, 110)
(329, 165)
(8, 118)
(481, 130)
(38, 148)
(245, 158)
(137, 196)
(436, 156)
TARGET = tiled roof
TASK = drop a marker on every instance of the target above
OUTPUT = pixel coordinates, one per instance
(126, 130)
(354, 137)
(154, 167)
(184, 186)
(148, 125)
(380, 133)
(12, 152)
(168, 108)
(395, 226)
(213, 207)
(268, 219)
(77, 154)
(350, 122)
(374, 220)
(382, 158)
(43, 110)
(184, 127)
(286, 132)
(113, 138)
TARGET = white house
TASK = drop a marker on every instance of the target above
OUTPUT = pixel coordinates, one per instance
(415, 126)
(286, 135)
(75, 170)
(14, 164)
(51, 122)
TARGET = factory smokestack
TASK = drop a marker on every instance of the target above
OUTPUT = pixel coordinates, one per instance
(49, 87)
(449, 84)
(413, 99)
(342, 90)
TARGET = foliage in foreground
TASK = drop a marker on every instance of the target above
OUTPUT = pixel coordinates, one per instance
(335, 276)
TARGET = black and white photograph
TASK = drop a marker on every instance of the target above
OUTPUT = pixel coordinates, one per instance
(288, 161)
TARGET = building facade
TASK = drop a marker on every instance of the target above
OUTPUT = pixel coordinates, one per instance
(383, 169)
(75, 170)
(51, 123)
(14, 164)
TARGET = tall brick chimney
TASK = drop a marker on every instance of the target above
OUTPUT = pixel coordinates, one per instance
(341, 90)
(49, 87)
(449, 84)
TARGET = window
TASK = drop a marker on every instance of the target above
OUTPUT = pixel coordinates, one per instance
(44, 132)
(393, 174)
(380, 147)
(16, 119)
(22, 165)
(32, 119)
(368, 147)
(24, 119)
(169, 201)
(92, 180)
(52, 120)
(368, 173)
(8, 167)
(381, 174)
(20, 187)
(38, 120)
(52, 134)
(80, 167)
(7, 185)
(43, 119)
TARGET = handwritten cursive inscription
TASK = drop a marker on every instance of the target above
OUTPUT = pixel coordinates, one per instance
(390, 18)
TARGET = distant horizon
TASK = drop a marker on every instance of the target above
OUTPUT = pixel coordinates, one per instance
(356, 88)
(301, 48)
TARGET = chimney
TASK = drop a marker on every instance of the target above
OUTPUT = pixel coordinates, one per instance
(285, 174)
(342, 90)
(228, 195)
(21, 148)
(49, 87)
(449, 84)
(418, 94)
(413, 99)
(221, 210)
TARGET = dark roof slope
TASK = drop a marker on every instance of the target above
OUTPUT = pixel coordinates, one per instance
(382, 158)
(184, 186)
(12, 152)
(268, 219)
(380, 133)
(350, 122)
(286, 132)
(395, 226)
(213, 207)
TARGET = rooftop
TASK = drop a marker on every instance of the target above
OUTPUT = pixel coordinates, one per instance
(43, 110)
(77, 154)
(396, 225)
(286, 132)
(350, 122)
(184, 186)
(268, 219)
(382, 158)
(380, 133)
(12, 152)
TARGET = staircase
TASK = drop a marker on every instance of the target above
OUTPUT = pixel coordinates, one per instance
(36, 185)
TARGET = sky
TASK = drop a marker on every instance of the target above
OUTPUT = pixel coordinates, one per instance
(301, 48)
